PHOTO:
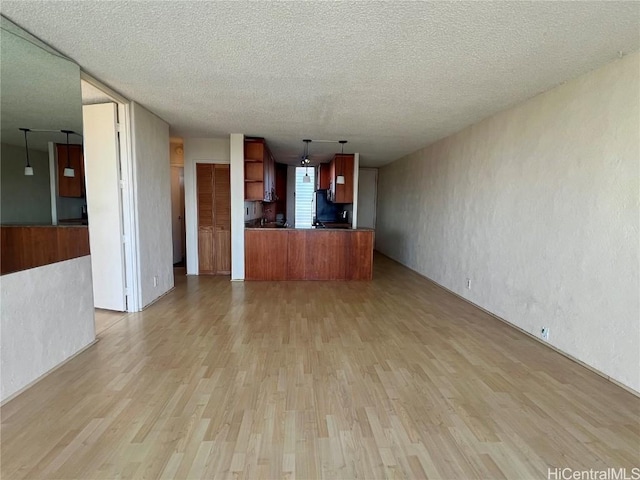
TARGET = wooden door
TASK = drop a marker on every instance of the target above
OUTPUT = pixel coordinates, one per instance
(204, 181)
(104, 206)
(214, 218)
(70, 186)
(222, 219)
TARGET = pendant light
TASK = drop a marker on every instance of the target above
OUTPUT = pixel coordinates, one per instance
(28, 169)
(68, 171)
(306, 161)
(340, 177)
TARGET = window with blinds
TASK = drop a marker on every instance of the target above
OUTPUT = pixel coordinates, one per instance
(304, 197)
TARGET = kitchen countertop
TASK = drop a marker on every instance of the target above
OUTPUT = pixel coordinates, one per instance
(320, 229)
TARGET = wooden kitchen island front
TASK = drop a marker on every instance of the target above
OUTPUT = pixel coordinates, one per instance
(308, 254)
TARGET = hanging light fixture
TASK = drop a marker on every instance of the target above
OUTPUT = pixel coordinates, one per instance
(340, 177)
(306, 161)
(68, 171)
(28, 169)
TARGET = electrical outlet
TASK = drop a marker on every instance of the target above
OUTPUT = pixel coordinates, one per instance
(468, 284)
(544, 333)
(155, 281)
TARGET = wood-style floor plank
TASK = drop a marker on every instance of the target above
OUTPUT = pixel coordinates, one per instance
(394, 378)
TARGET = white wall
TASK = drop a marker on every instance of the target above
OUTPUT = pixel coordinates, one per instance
(152, 177)
(198, 150)
(538, 207)
(367, 197)
(291, 195)
(24, 199)
(46, 316)
(356, 181)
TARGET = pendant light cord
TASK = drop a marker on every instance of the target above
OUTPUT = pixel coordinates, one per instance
(68, 155)
(26, 145)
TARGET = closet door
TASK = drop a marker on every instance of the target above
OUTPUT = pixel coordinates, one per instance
(214, 218)
(222, 217)
(204, 181)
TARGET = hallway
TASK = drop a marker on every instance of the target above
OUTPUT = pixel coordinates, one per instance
(390, 378)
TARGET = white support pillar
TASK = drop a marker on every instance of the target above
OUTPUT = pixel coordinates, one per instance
(237, 205)
(356, 174)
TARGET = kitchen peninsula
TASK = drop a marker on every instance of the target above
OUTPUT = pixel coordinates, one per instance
(308, 254)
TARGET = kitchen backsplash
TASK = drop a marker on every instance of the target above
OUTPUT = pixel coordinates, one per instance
(252, 210)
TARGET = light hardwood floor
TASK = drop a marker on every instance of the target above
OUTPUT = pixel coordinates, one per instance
(105, 319)
(394, 378)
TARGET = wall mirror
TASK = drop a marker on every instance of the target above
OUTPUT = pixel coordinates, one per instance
(41, 92)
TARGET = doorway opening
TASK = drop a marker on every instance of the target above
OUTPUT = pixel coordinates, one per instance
(305, 182)
(178, 230)
(108, 174)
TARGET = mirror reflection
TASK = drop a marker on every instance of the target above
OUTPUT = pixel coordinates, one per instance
(42, 178)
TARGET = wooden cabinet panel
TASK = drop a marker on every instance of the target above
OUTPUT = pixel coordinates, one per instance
(341, 165)
(266, 254)
(297, 257)
(326, 255)
(70, 186)
(254, 149)
(308, 254)
(29, 247)
(360, 256)
(324, 176)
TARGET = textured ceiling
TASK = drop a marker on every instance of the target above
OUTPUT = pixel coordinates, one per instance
(91, 95)
(390, 77)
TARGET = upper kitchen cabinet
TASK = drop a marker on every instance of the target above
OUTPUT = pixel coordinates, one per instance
(259, 171)
(70, 186)
(341, 166)
(324, 176)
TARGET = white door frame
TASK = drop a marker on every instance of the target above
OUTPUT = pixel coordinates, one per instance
(127, 183)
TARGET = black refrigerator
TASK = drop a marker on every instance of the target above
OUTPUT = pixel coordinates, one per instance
(325, 210)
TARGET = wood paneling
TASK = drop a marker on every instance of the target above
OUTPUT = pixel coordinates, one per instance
(214, 218)
(30, 247)
(342, 165)
(360, 256)
(324, 176)
(266, 254)
(297, 255)
(326, 255)
(70, 186)
(310, 254)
